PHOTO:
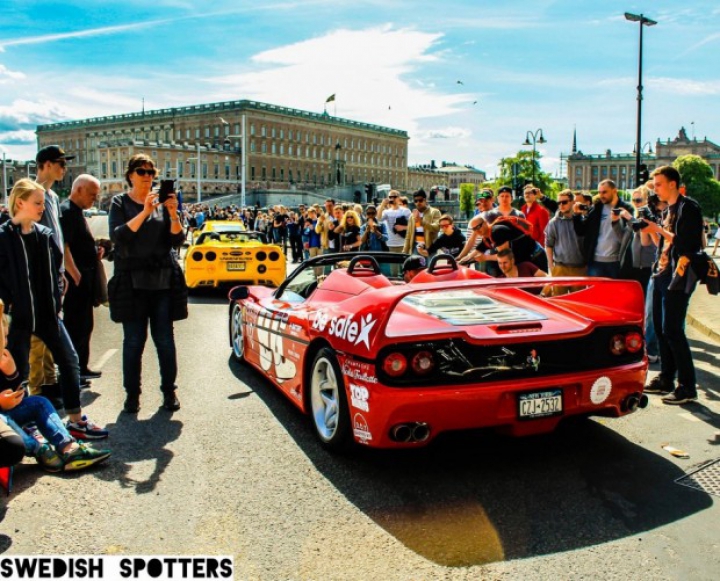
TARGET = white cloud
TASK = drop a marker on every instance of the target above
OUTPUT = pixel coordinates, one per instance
(20, 137)
(444, 133)
(6, 75)
(671, 85)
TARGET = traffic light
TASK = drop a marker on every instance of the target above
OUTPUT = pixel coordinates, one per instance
(643, 175)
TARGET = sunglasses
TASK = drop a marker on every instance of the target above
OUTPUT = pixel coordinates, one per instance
(638, 200)
(392, 197)
(420, 200)
(60, 162)
(145, 172)
(563, 202)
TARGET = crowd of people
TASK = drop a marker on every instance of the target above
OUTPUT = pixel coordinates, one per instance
(52, 280)
(53, 277)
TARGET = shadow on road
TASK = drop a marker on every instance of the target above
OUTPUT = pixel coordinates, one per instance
(134, 441)
(474, 497)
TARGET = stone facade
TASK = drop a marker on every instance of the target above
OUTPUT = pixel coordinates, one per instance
(585, 172)
(286, 148)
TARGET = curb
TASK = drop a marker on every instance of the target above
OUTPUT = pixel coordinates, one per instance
(704, 329)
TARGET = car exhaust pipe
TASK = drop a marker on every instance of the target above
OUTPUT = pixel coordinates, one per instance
(632, 403)
(401, 433)
(643, 401)
(421, 432)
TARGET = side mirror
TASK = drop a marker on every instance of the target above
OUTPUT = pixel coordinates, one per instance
(239, 292)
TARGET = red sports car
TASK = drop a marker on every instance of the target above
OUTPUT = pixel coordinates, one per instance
(389, 364)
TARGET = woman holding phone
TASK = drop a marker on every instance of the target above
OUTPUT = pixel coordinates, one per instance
(148, 287)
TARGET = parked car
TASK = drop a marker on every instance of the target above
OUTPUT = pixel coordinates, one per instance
(387, 364)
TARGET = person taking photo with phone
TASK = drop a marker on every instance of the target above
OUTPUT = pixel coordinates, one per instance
(148, 287)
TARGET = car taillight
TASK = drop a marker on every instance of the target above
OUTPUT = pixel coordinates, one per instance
(262, 268)
(274, 256)
(395, 364)
(262, 255)
(210, 256)
(198, 256)
(422, 362)
(633, 342)
(626, 343)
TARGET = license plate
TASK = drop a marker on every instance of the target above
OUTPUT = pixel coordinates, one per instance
(540, 404)
(236, 266)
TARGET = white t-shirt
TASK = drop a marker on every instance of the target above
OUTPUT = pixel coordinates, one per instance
(389, 217)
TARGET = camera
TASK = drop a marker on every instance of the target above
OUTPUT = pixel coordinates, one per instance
(617, 211)
(638, 225)
(584, 207)
(167, 187)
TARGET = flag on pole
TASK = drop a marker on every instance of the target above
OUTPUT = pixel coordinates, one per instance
(330, 98)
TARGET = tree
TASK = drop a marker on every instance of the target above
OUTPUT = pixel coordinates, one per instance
(697, 176)
(467, 199)
(524, 161)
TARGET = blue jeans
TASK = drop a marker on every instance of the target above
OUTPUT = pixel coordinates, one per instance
(38, 410)
(606, 269)
(159, 316)
(650, 337)
(669, 312)
(58, 341)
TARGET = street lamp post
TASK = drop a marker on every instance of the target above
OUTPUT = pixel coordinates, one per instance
(644, 21)
(537, 137)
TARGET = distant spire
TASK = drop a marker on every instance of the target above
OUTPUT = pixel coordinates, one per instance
(574, 145)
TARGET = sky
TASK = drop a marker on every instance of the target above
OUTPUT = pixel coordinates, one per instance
(466, 79)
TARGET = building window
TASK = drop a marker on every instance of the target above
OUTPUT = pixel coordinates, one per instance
(252, 128)
(264, 173)
(216, 167)
(252, 172)
(282, 149)
(197, 133)
(180, 168)
(207, 132)
(274, 149)
(290, 174)
(273, 174)
(264, 147)
(290, 150)
(252, 146)
(263, 132)
(272, 132)
(282, 134)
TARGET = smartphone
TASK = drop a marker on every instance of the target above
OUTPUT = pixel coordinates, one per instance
(584, 207)
(167, 187)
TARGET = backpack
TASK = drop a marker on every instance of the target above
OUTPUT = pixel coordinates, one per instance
(522, 225)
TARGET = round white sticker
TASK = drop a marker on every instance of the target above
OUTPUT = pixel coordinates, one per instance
(600, 390)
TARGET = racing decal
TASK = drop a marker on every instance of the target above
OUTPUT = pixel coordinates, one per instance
(600, 390)
(359, 396)
(359, 371)
(272, 347)
(295, 329)
(346, 328)
(361, 429)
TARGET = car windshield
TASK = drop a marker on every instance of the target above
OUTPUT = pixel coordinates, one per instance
(232, 235)
(305, 279)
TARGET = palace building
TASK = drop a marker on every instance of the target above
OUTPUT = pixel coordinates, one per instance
(585, 172)
(285, 148)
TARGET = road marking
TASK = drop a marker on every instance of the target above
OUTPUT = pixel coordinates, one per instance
(713, 392)
(104, 359)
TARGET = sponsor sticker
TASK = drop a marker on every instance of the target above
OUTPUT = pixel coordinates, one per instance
(359, 371)
(600, 390)
(361, 429)
(347, 328)
(359, 397)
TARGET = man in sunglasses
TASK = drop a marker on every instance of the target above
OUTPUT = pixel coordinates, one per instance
(562, 245)
(396, 218)
(51, 163)
(424, 225)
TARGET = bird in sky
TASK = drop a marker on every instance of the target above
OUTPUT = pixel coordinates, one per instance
(460, 83)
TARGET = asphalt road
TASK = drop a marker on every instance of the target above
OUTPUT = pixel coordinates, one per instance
(237, 471)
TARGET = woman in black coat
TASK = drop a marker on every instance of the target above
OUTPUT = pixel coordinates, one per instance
(148, 287)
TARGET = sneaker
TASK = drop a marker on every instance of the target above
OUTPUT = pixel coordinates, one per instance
(84, 456)
(48, 458)
(86, 429)
(90, 374)
(659, 384)
(680, 396)
(653, 358)
(32, 431)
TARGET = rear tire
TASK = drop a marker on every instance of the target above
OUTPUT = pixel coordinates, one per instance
(328, 402)
(237, 337)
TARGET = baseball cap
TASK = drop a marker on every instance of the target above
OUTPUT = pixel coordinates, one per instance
(484, 195)
(414, 263)
(52, 153)
(505, 189)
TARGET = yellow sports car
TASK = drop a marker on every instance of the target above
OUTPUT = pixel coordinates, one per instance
(227, 255)
(212, 225)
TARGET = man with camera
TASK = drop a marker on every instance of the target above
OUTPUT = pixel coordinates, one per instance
(606, 232)
(396, 218)
(680, 238)
(373, 234)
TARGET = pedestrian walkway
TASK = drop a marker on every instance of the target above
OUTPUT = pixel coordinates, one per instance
(704, 311)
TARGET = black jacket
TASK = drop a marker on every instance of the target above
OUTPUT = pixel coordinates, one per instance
(15, 285)
(589, 227)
